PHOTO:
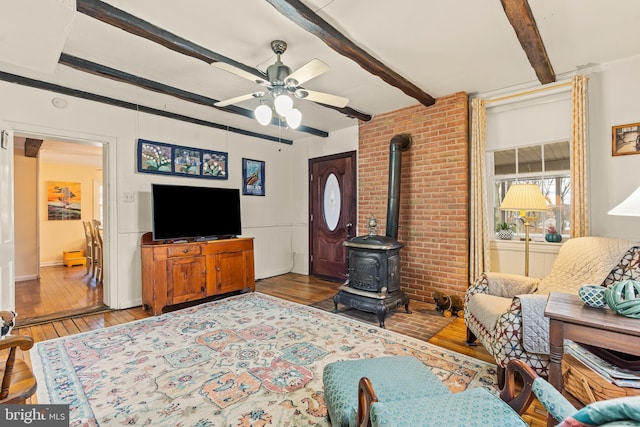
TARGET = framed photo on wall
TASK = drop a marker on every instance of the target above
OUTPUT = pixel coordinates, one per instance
(252, 177)
(625, 139)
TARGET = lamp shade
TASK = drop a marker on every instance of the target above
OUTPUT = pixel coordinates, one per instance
(263, 114)
(294, 118)
(283, 104)
(629, 207)
(524, 197)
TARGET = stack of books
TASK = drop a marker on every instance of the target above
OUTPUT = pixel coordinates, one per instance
(610, 366)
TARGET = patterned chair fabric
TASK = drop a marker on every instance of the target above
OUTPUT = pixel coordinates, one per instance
(395, 378)
(424, 401)
(504, 339)
(409, 394)
(474, 407)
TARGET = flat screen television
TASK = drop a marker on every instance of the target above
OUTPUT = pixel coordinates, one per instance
(194, 213)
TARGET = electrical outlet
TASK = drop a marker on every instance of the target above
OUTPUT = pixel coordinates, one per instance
(128, 197)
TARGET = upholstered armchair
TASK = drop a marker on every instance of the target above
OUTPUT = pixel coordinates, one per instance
(505, 312)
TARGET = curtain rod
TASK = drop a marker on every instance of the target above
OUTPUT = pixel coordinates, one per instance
(528, 92)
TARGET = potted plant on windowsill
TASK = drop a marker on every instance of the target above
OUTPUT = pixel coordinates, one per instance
(505, 231)
(553, 235)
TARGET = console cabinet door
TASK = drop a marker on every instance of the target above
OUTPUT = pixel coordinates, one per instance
(231, 271)
(186, 279)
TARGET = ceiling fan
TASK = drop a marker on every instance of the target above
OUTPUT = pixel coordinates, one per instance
(281, 81)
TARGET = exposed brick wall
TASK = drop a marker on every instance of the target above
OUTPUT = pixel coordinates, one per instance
(434, 192)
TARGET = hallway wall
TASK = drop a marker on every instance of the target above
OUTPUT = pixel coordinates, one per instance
(25, 176)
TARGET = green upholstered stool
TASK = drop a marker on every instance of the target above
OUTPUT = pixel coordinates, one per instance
(474, 407)
(395, 378)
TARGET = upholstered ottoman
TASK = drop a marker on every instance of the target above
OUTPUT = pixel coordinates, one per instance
(394, 378)
(474, 407)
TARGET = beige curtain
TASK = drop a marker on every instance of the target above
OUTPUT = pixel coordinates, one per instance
(579, 202)
(479, 260)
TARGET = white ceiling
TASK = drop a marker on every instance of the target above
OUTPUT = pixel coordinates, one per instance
(442, 46)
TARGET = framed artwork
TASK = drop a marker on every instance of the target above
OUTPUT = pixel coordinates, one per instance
(169, 159)
(252, 177)
(63, 200)
(186, 161)
(155, 157)
(625, 139)
(214, 164)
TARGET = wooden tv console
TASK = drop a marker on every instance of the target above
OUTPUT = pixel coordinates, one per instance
(174, 273)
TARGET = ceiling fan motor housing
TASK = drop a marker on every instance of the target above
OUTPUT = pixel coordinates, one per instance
(277, 73)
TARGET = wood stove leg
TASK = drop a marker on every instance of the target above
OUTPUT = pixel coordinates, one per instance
(381, 313)
(406, 307)
(335, 304)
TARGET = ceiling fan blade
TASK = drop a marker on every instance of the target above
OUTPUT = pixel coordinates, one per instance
(323, 98)
(238, 99)
(308, 71)
(237, 71)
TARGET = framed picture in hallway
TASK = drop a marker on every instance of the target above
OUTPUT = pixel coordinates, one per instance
(63, 200)
(252, 177)
(625, 139)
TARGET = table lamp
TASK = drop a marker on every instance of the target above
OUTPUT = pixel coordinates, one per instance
(629, 207)
(524, 198)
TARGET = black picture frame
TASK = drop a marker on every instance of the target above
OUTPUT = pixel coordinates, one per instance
(169, 159)
(253, 177)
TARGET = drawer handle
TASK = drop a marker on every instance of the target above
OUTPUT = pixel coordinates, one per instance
(185, 251)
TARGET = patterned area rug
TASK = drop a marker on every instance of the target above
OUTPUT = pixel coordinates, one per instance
(248, 360)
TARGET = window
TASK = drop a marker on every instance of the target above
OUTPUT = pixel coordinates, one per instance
(546, 165)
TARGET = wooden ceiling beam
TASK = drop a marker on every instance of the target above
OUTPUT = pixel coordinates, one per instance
(125, 21)
(521, 18)
(52, 87)
(120, 76)
(306, 18)
(132, 24)
(31, 147)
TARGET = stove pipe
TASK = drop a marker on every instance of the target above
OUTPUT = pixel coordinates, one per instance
(399, 143)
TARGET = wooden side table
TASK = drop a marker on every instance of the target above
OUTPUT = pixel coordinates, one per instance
(570, 318)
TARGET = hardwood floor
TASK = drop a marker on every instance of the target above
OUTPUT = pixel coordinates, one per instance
(60, 292)
(293, 287)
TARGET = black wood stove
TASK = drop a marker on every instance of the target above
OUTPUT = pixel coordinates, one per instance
(373, 284)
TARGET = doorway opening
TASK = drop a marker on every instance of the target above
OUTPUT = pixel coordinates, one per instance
(57, 186)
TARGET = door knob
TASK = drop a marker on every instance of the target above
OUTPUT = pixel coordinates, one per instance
(349, 226)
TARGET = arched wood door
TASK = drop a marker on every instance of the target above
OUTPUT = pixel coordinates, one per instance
(332, 220)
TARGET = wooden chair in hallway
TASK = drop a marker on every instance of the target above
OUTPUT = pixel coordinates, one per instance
(89, 246)
(18, 381)
(97, 250)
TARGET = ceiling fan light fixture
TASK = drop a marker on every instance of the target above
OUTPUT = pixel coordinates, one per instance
(283, 104)
(263, 114)
(294, 118)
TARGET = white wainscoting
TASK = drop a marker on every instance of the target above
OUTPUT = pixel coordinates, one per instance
(272, 247)
(507, 256)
